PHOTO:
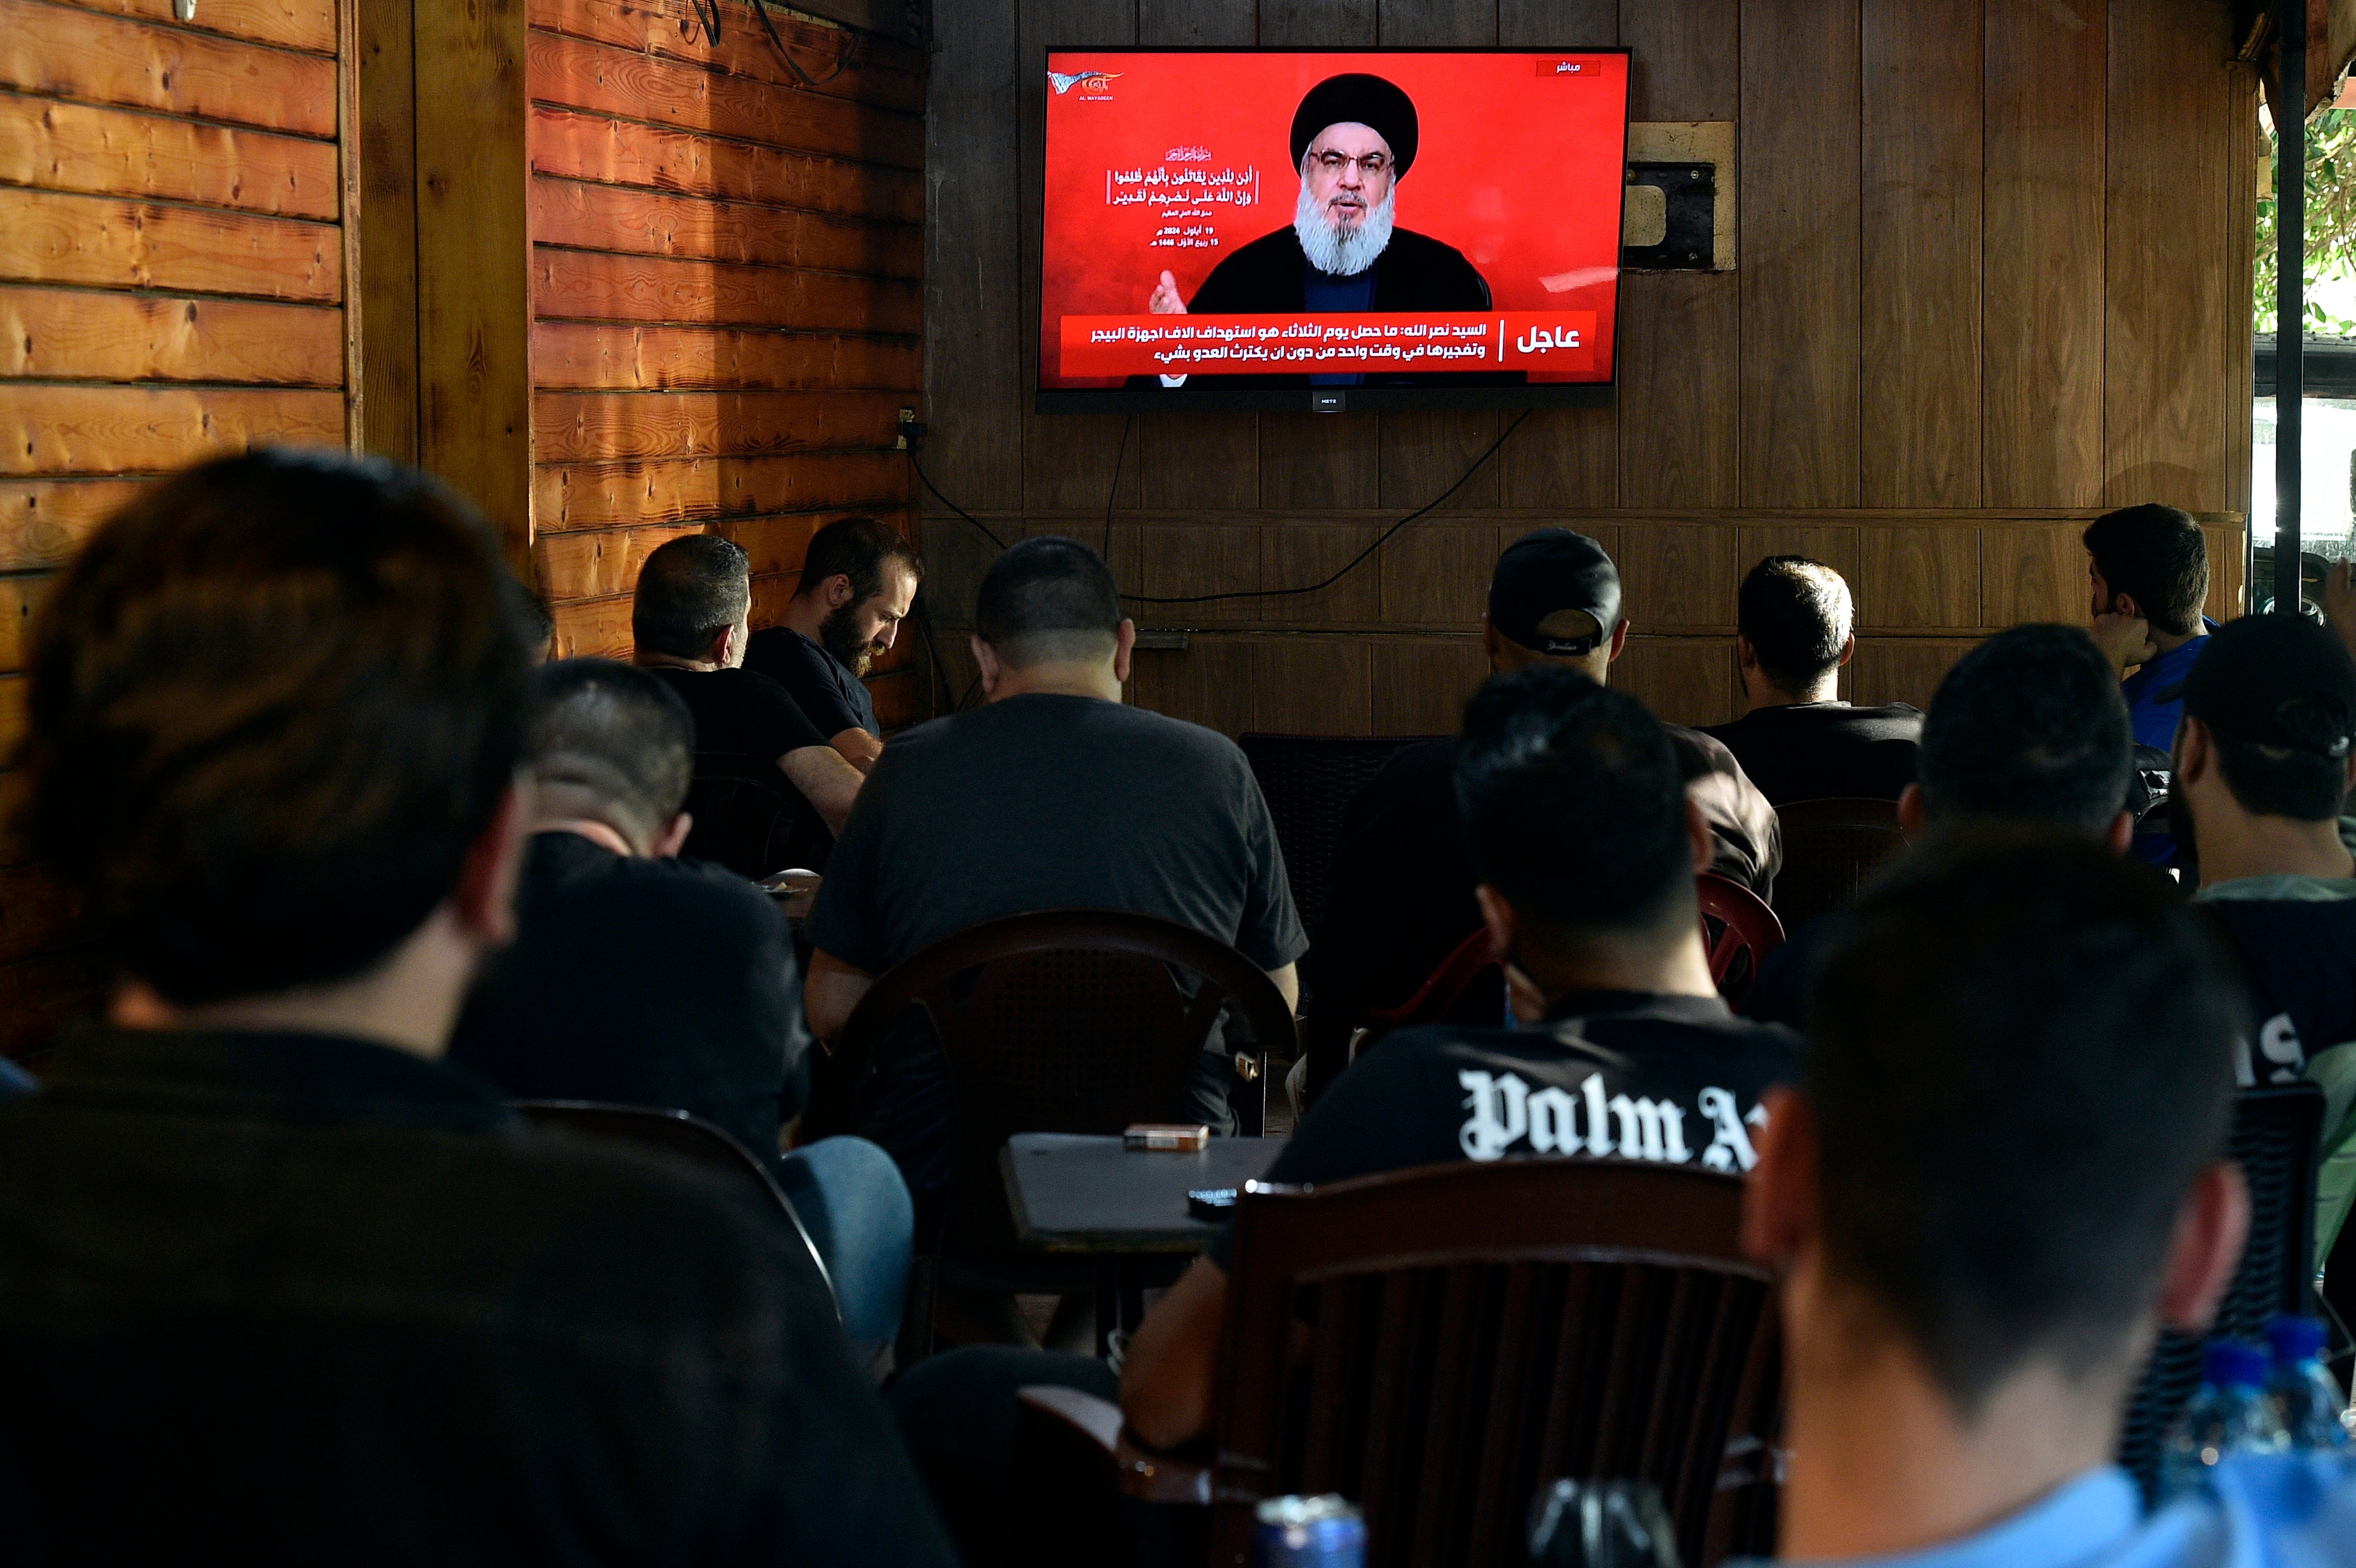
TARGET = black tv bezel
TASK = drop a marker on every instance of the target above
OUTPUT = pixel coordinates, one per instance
(1319, 399)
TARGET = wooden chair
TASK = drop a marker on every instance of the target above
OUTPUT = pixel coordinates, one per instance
(1060, 1021)
(680, 1136)
(1437, 1344)
(749, 819)
(1830, 848)
(1738, 932)
(2276, 1137)
(1309, 781)
(1468, 986)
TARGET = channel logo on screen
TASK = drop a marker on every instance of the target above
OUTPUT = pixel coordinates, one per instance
(1091, 83)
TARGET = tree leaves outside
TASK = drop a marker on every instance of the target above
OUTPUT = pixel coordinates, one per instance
(2330, 222)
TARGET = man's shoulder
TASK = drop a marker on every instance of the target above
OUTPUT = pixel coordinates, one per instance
(1407, 244)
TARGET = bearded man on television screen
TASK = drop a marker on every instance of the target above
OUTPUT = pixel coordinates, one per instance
(1354, 139)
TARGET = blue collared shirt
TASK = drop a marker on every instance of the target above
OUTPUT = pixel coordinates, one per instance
(2274, 1511)
(2155, 721)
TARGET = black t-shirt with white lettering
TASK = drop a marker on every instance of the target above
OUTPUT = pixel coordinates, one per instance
(741, 711)
(829, 695)
(2297, 939)
(1619, 1074)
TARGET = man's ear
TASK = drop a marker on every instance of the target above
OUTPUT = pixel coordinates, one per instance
(2194, 756)
(1910, 811)
(671, 839)
(1619, 641)
(724, 646)
(2209, 1231)
(1124, 645)
(985, 659)
(836, 590)
(1503, 925)
(483, 903)
(1848, 649)
(1490, 638)
(1779, 1198)
(1746, 658)
(2121, 838)
(1698, 837)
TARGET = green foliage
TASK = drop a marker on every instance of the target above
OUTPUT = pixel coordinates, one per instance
(2330, 221)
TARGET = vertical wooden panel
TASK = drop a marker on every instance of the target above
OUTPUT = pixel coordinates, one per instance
(1420, 682)
(2041, 375)
(2034, 572)
(1904, 669)
(1209, 682)
(1685, 681)
(1799, 267)
(1913, 578)
(473, 283)
(1312, 686)
(1435, 573)
(1684, 58)
(973, 280)
(1679, 424)
(2234, 366)
(386, 283)
(1921, 232)
(1680, 575)
(1180, 561)
(1295, 554)
(2166, 307)
(2227, 561)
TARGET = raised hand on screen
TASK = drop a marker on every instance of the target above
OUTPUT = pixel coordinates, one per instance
(1165, 300)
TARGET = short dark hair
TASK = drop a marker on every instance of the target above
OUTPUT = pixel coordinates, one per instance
(2019, 1058)
(1046, 600)
(1796, 613)
(2279, 781)
(690, 590)
(2158, 555)
(859, 548)
(1573, 803)
(620, 734)
(533, 615)
(275, 701)
(2029, 727)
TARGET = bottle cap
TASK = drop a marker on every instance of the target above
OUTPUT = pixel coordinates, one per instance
(2295, 1338)
(2234, 1363)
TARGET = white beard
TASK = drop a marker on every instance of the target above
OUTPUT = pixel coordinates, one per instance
(1331, 251)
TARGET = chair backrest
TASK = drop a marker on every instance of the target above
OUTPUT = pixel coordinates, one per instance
(1830, 847)
(1065, 1021)
(2275, 1139)
(685, 1138)
(1436, 1000)
(1437, 1344)
(748, 818)
(1738, 932)
(1309, 781)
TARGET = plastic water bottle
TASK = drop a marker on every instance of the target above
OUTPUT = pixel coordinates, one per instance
(2229, 1414)
(2313, 1410)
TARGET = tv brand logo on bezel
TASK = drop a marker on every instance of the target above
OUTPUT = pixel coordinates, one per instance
(1091, 83)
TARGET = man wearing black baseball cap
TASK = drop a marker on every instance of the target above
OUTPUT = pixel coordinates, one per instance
(1399, 896)
(2264, 758)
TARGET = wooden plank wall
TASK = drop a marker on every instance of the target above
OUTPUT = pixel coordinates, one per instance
(726, 274)
(172, 264)
(1991, 255)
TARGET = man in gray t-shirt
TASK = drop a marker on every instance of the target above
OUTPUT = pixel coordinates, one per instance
(1053, 796)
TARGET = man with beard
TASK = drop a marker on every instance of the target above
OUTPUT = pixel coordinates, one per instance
(1354, 139)
(858, 581)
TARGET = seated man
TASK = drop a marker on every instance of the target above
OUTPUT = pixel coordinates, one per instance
(1399, 893)
(2149, 566)
(691, 620)
(2004, 1176)
(2265, 756)
(1797, 740)
(644, 980)
(2027, 730)
(1053, 796)
(312, 1294)
(858, 580)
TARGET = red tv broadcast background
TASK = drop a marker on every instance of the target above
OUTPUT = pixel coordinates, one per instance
(1519, 166)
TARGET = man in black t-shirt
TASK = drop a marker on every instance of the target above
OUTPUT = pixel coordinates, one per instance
(1399, 893)
(1799, 741)
(1587, 849)
(641, 979)
(1053, 796)
(859, 578)
(691, 619)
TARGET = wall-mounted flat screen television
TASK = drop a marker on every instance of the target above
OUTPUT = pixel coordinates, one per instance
(1366, 229)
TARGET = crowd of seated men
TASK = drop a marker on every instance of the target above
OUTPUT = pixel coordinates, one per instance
(286, 1274)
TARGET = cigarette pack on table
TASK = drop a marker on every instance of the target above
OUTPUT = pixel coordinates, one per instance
(1172, 1136)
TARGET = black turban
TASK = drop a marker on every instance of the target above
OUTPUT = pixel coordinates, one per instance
(1364, 99)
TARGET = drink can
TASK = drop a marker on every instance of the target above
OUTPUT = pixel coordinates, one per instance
(1310, 1533)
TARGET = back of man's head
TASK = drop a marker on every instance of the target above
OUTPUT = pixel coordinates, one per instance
(615, 740)
(275, 701)
(1048, 601)
(2158, 555)
(859, 548)
(1574, 807)
(690, 590)
(2029, 727)
(1796, 615)
(2020, 1060)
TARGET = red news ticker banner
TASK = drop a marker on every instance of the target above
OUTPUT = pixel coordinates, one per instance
(1560, 342)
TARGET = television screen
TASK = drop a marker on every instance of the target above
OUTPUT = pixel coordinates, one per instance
(1359, 229)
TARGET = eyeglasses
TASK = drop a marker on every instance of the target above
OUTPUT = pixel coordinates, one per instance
(1374, 165)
